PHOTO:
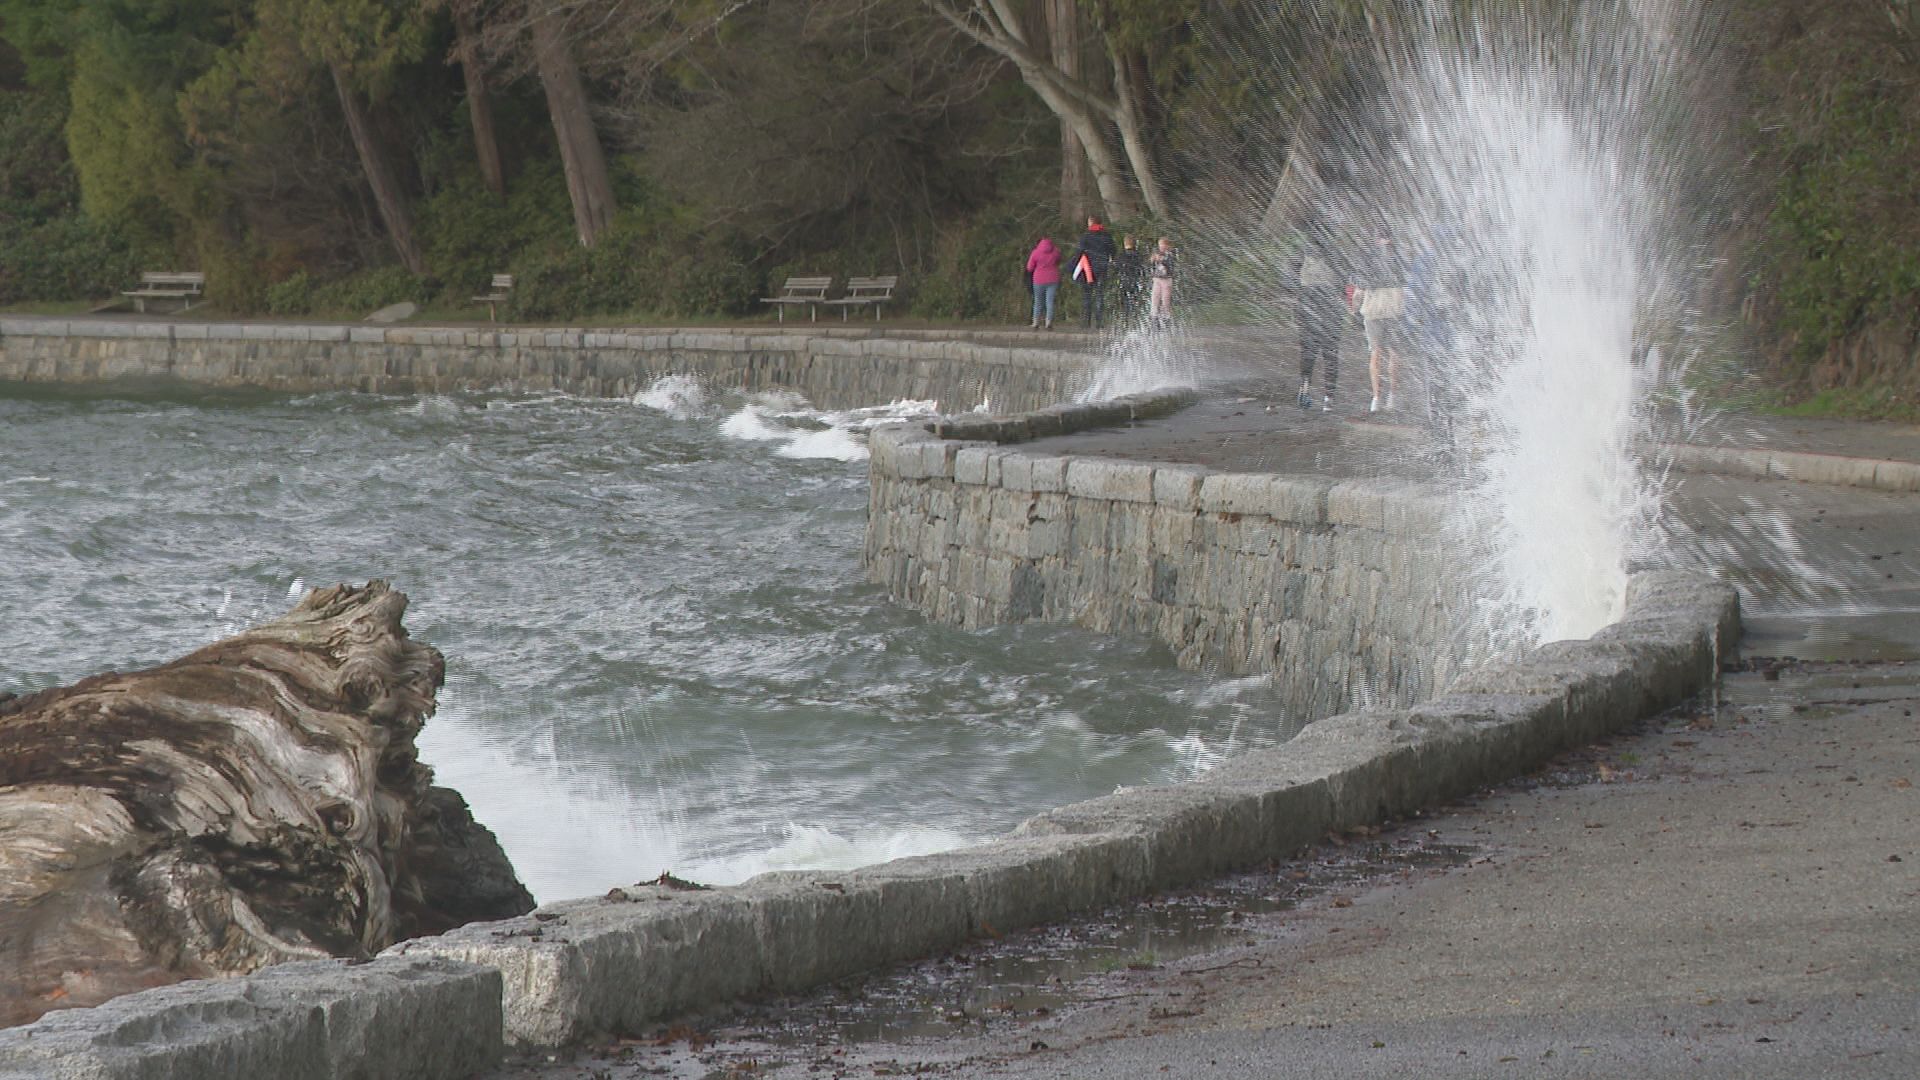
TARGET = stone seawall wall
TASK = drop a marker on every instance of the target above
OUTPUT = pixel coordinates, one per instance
(1343, 589)
(833, 369)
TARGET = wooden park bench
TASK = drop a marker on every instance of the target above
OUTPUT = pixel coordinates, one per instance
(866, 290)
(497, 293)
(183, 285)
(811, 291)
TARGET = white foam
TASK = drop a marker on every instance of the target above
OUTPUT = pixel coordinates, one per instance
(834, 443)
(679, 396)
(435, 406)
(813, 847)
(803, 432)
(873, 416)
(1140, 361)
(754, 424)
(569, 831)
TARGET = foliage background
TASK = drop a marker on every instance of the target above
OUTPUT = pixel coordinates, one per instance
(752, 139)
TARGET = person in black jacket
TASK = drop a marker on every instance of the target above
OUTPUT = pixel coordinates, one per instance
(1089, 265)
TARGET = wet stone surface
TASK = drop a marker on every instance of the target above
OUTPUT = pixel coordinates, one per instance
(998, 987)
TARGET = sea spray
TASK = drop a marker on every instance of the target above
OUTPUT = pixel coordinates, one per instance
(1531, 174)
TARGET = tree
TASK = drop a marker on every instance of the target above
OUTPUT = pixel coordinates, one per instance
(827, 123)
(361, 42)
(1063, 35)
(486, 146)
(588, 183)
(1095, 115)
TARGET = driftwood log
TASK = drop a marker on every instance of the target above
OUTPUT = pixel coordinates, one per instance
(257, 801)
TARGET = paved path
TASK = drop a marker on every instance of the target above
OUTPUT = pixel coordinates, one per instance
(1731, 892)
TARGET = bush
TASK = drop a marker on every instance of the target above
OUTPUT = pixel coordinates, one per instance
(643, 265)
(67, 258)
(370, 290)
(294, 296)
(981, 272)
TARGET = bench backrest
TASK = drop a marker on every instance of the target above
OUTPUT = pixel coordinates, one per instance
(178, 279)
(501, 282)
(875, 288)
(807, 288)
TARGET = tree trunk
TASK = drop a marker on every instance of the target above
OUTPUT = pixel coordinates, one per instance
(486, 147)
(1109, 176)
(1063, 37)
(588, 183)
(257, 801)
(1128, 118)
(387, 194)
(996, 25)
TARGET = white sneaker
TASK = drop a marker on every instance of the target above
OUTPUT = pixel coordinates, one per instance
(1389, 401)
(1374, 405)
(1326, 403)
(1034, 325)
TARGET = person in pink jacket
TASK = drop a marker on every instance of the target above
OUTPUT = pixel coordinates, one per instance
(1044, 266)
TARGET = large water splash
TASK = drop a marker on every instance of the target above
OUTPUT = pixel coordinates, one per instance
(1547, 230)
(1532, 166)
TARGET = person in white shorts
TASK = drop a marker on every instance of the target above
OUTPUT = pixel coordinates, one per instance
(1383, 308)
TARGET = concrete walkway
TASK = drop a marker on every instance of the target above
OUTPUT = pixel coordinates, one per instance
(1730, 892)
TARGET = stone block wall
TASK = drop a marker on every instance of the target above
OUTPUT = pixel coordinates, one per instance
(834, 370)
(1342, 589)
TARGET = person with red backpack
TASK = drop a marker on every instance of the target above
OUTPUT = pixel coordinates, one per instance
(1089, 265)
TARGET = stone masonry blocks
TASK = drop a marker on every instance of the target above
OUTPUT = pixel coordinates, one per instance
(1299, 500)
(393, 1017)
(1119, 481)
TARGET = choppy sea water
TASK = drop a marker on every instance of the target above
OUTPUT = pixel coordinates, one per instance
(662, 654)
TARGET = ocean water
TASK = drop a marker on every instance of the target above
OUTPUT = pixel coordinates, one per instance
(662, 654)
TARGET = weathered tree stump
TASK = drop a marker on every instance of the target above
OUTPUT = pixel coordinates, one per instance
(254, 802)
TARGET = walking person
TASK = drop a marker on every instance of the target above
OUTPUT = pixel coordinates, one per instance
(1043, 269)
(1160, 269)
(1321, 310)
(1383, 303)
(1090, 262)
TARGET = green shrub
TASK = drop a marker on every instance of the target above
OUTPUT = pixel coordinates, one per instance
(293, 296)
(469, 235)
(66, 258)
(714, 283)
(370, 290)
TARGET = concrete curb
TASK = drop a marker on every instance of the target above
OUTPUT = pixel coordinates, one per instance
(1835, 469)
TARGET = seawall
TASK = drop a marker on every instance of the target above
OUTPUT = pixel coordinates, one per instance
(1343, 590)
(834, 368)
(445, 1006)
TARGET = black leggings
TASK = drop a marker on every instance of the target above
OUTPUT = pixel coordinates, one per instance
(1322, 313)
